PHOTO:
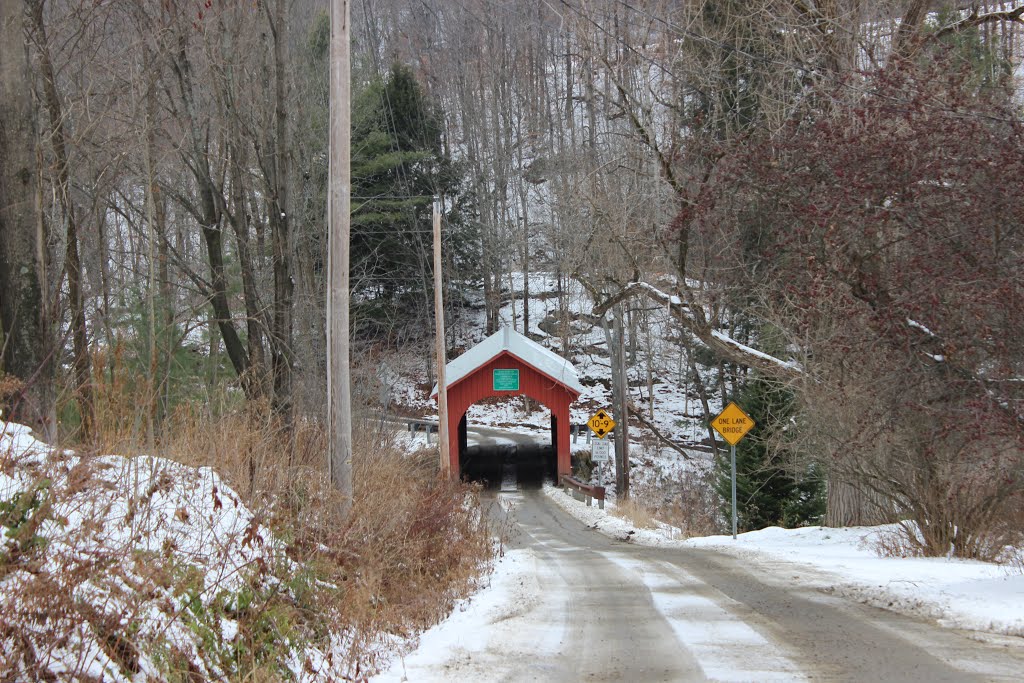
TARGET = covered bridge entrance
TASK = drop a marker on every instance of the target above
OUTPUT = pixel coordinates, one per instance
(509, 364)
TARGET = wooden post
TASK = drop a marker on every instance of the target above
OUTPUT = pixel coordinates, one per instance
(442, 383)
(620, 379)
(339, 209)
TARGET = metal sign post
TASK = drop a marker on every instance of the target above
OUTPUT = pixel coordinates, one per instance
(600, 453)
(733, 450)
(733, 424)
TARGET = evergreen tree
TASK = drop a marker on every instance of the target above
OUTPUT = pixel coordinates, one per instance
(398, 165)
(768, 490)
(991, 72)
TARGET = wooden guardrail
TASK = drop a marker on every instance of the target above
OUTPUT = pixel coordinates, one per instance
(581, 491)
(416, 424)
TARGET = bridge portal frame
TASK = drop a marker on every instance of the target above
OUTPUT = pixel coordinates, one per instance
(468, 384)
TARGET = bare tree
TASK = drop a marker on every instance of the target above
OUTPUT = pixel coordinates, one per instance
(69, 215)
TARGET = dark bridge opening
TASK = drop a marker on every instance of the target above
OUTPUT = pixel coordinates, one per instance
(507, 466)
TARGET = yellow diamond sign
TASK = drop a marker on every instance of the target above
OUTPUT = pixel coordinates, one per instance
(601, 423)
(733, 424)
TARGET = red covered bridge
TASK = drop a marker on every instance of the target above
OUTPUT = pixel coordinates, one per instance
(510, 364)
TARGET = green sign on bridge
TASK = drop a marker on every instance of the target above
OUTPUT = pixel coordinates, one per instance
(506, 380)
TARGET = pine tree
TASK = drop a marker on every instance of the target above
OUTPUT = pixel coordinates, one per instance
(769, 492)
(398, 165)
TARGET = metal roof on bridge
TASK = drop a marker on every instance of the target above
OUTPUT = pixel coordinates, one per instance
(506, 339)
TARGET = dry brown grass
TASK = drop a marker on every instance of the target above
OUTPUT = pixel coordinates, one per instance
(635, 512)
(894, 542)
(9, 386)
(686, 500)
(413, 544)
(693, 506)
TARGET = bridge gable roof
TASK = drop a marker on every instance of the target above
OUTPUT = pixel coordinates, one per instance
(507, 340)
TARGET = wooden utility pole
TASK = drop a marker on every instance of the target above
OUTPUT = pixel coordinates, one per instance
(621, 380)
(615, 341)
(339, 210)
(442, 380)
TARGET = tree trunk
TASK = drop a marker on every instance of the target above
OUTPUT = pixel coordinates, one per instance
(564, 322)
(613, 335)
(909, 25)
(280, 219)
(649, 366)
(622, 430)
(166, 295)
(850, 505)
(705, 404)
(23, 329)
(72, 260)
(213, 357)
(208, 213)
(153, 414)
(213, 237)
(239, 220)
(474, 136)
(524, 208)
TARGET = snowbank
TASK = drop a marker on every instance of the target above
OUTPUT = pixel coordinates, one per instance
(120, 569)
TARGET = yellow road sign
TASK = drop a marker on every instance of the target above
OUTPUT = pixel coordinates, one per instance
(601, 423)
(733, 424)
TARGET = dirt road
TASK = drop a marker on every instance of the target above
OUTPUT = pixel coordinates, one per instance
(590, 608)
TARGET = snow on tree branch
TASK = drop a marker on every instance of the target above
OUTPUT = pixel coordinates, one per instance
(743, 348)
(977, 19)
(694, 319)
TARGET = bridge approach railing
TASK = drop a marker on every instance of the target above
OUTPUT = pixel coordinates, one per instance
(580, 491)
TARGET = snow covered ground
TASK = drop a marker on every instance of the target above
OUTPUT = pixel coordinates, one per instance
(964, 594)
(120, 568)
(515, 584)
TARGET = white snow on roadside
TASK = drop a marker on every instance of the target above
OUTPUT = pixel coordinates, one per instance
(966, 594)
(609, 524)
(454, 649)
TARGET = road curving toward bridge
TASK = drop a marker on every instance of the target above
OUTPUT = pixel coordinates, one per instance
(586, 607)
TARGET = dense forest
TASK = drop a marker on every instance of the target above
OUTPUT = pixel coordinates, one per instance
(824, 194)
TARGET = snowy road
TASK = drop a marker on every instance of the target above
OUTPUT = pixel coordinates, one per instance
(578, 606)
